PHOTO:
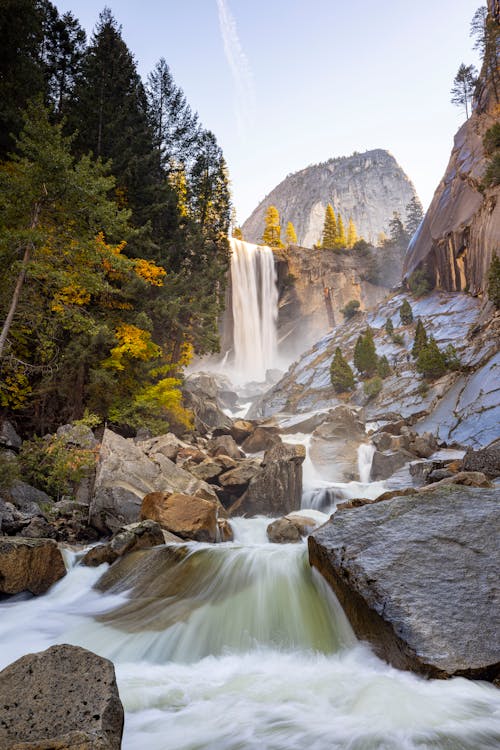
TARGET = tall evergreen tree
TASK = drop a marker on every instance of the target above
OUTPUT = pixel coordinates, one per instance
(405, 313)
(341, 240)
(485, 29)
(272, 228)
(365, 355)
(463, 88)
(341, 374)
(420, 339)
(290, 234)
(397, 233)
(414, 216)
(329, 237)
(352, 234)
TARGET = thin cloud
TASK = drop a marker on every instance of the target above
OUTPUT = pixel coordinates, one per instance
(240, 68)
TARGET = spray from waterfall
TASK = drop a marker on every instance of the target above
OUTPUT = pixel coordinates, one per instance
(255, 310)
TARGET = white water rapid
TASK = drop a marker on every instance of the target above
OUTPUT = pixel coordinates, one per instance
(241, 646)
(255, 310)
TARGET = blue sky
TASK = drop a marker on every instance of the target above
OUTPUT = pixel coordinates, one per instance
(288, 83)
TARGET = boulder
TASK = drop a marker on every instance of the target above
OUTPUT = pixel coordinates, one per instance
(78, 435)
(39, 528)
(423, 446)
(417, 577)
(241, 429)
(277, 489)
(224, 445)
(126, 473)
(486, 460)
(334, 445)
(184, 515)
(135, 536)
(235, 480)
(290, 529)
(225, 531)
(9, 437)
(167, 445)
(261, 439)
(208, 470)
(11, 519)
(194, 455)
(64, 698)
(383, 441)
(29, 565)
(384, 465)
(468, 478)
(207, 395)
(28, 499)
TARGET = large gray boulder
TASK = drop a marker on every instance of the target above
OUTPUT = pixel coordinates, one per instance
(334, 445)
(29, 565)
(126, 472)
(277, 489)
(486, 460)
(9, 437)
(64, 698)
(418, 577)
(205, 394)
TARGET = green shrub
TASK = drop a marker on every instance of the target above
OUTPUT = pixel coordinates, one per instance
(389, 327)
(405, 313)
(54, 466)
(494, 281)
(372, 387)
(423, 388)
(491, 140)
(431, 361)
(383, 367)
(341, 374)
(350, 309)
(419, 283)
(9, 470)
(492, 173)
(451, 358)
(398, 339)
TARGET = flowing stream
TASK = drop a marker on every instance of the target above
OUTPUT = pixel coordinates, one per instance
(242, 646)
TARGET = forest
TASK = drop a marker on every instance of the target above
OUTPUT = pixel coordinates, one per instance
(114, 218)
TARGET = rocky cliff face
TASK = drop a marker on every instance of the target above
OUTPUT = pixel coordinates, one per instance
(369, 187)
(461, 229)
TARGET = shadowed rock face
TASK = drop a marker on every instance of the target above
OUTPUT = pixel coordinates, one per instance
(417, 577)
(369, 187)
(461, 229)
(64, 698)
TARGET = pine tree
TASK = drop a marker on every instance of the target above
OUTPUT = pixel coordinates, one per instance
(398, 235)
(494, 281)
(383, 367)
(463, 88)
(341, 374)
(329, 237)
(414, 216)
(290, 234)
(341, 240)
(405, 313)
(389, 327)
(431, 361)
(420, 339)
(62, 56)
(365, 355)
(352, 235)
(272, 230)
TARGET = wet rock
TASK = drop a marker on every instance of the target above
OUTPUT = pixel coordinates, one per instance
(39, 528)
(135, 536)
(385, 465)
(125, 474)
(416, 575)
(29, 565)
(9, 437)
(261, 439)
(334, 445)
(290, 529)
(224, 445)
(382, 441)
(241, 429)
(184, 515)
(277, 489)
(486, 460)
(225, 531)
(423, 446)
(64, 698)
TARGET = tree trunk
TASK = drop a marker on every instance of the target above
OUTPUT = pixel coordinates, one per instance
(19, 284)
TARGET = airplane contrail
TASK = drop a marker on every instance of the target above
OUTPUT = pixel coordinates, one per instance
(239, 67)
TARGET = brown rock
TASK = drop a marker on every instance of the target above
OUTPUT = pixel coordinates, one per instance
(238, 478)
(64, 698)
(225, 530)
(468, 478)
(290, 529)
(224, 445)
(29, 565)
(241, 429)
(184, 515)
(208, 470)
(486, 460)
(386, 464)
(191, 454)
(261, 439)
(101, 553)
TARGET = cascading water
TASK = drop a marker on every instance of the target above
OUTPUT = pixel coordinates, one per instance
(365, 458)
(255, 310)
(241, 646)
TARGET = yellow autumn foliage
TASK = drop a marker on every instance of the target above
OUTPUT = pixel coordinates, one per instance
(70, 295)
(134, 343)
(149, 271)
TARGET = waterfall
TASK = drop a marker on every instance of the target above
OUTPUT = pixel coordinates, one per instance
(365, 458)
(255, 310)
